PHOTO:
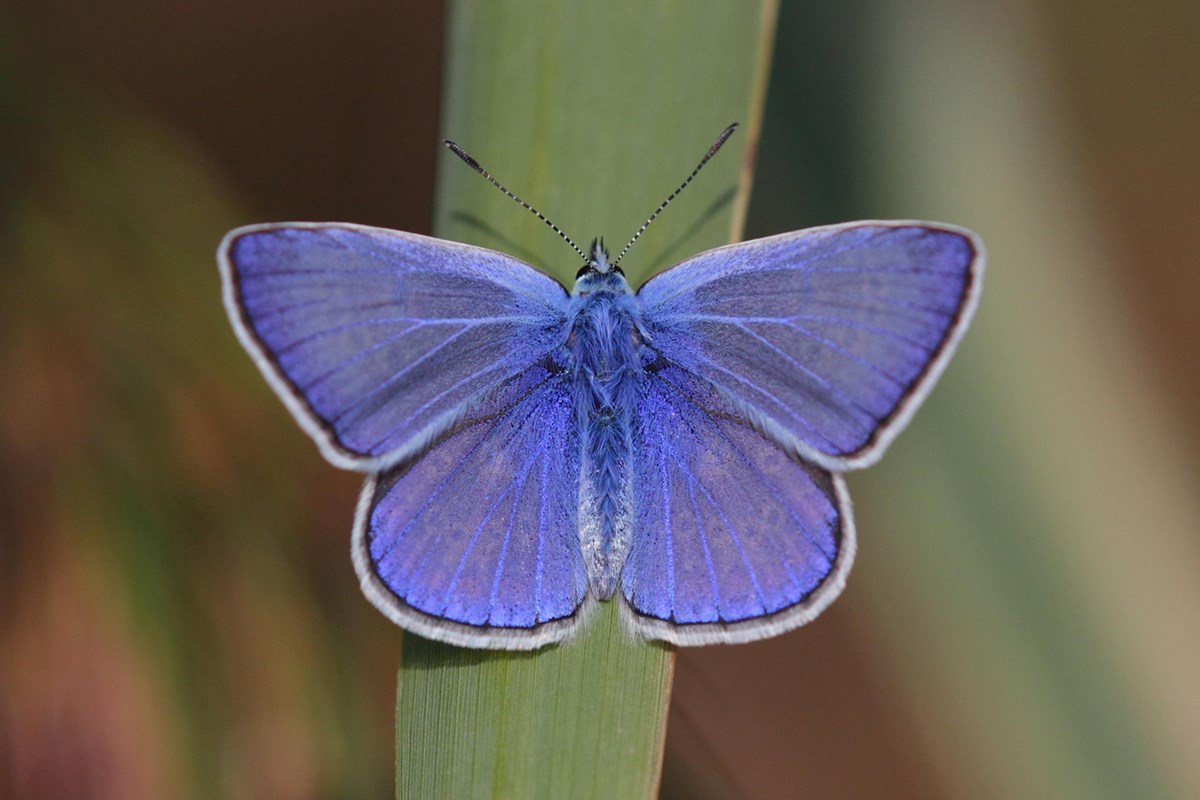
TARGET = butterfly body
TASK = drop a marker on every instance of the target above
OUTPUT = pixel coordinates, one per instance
(606, 356)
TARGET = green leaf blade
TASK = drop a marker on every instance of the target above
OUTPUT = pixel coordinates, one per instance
(593, 114)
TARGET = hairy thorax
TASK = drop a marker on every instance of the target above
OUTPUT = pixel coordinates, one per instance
(606, 353)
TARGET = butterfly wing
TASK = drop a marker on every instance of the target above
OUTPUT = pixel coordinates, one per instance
(476, 543)
(735, 541)
(825, 339)
(378, 340)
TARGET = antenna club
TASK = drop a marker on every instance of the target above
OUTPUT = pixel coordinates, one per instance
(725, 134)
(463, 154)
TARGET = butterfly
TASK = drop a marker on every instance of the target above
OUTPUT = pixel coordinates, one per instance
(532, 451)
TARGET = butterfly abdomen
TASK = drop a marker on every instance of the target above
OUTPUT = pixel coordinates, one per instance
(607, 461)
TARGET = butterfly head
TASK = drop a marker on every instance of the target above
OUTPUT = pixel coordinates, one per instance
(598, 261)
(599, 272)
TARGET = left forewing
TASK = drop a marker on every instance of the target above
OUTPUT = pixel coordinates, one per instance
(377, 340)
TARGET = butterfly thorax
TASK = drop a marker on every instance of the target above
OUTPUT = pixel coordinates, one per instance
(605, 347)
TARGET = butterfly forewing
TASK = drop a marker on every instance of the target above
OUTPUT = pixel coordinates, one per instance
(827, 338)
(378, 339)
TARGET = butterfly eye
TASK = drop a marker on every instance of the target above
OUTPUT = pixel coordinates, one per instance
(584, 270)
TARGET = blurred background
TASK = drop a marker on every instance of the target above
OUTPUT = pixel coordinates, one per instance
(178, 615)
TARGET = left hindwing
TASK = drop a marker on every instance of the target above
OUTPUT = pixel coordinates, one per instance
(825, 339)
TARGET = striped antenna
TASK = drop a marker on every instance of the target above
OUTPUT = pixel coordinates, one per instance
(473, 164)
(712, 151)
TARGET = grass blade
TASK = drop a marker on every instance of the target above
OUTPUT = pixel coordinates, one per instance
(592, 114)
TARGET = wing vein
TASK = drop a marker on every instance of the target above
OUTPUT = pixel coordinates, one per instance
(796, 363)
(737, 543)
(361, 354)
(508, 531)
(837, 348)
(712, 574)
(437, 490)
(539, 576)
(669, 532)
(785, 406)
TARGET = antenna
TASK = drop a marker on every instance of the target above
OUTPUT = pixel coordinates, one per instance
(712, 151)
(473, 164)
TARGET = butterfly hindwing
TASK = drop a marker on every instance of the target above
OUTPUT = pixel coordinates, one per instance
(378, 339)
(735, 540)
(827, 339)
(476, 542)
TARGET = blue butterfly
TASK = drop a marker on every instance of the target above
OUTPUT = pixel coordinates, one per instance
(531, 451)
